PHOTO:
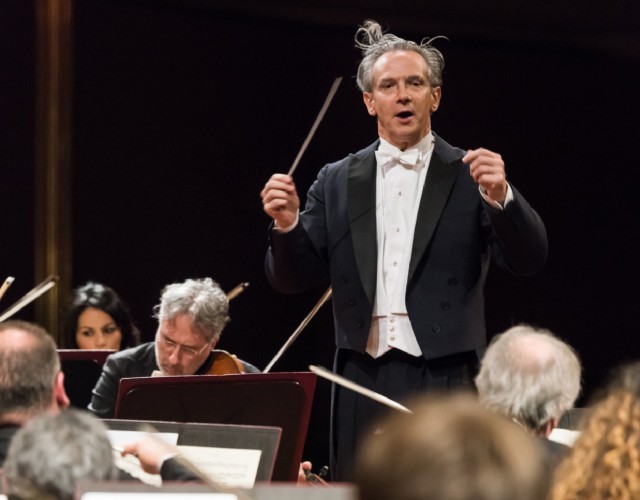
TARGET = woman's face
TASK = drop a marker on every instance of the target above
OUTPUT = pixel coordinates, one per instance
(97, 330)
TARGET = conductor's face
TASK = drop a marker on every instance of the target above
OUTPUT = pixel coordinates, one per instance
(180, 348)
(402, 98)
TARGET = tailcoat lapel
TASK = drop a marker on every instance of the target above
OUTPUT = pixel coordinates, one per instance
(361, 210)
(441, 177)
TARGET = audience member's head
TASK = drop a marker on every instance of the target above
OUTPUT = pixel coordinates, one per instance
(450, 448)
(30, 378)
(98, 319)
(604, 462)
(50, 454)
(531, 376)
(191, 316)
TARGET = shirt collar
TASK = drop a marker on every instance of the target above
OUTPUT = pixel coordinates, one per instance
(423, 147)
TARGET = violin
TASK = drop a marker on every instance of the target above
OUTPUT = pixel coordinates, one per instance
(224, 364)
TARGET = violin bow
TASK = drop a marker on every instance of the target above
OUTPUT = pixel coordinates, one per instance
(295, 334)
(30, 296)
(5, 285)
(345, 382)
(237, 291)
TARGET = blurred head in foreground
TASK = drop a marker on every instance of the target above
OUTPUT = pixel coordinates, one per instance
(450, 448)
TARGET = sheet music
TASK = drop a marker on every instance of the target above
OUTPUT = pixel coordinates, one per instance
(232, 467)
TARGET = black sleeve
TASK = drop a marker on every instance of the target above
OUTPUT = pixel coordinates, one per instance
(104, 394)
(172, 470)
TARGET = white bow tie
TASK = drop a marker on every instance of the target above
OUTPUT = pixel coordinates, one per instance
(407, 158)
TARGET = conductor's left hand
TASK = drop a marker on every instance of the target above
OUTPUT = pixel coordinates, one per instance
(487, 170)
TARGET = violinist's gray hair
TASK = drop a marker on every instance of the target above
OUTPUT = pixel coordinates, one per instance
(201, 299)
(373, 42)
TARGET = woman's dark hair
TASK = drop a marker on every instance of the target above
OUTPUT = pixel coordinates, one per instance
(105, 299)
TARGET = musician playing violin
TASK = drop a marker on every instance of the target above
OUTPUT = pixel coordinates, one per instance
(191, 316)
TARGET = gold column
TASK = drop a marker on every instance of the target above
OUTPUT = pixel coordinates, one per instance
(53, 156)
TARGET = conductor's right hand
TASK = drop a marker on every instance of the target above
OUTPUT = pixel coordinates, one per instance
(280, 200)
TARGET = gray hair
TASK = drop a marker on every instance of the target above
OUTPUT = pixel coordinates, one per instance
(51, 453)
(202, 299)
(374, 43)
(529, 375)
(27, 371)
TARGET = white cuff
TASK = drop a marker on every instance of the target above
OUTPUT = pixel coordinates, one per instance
(495, 204)
(287, 229)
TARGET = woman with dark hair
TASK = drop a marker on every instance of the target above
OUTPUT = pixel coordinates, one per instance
(98, 319)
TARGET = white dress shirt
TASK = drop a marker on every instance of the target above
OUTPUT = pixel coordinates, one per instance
(399, 189)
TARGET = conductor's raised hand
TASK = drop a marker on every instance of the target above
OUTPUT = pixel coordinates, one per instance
(280, 200)
(487, 170)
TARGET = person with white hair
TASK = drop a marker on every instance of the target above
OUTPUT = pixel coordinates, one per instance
(532, 377)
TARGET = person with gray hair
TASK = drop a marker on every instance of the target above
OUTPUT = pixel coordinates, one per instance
(404, 231)
(531, 377)
(52, 453)
(30, 378)
(191, 316)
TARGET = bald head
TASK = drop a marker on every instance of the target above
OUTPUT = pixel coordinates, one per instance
(29, 371)
(15, 339)
(529, 375)
(530, 351)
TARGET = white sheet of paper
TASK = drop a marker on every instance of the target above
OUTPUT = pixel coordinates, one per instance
(564, 436)
(121, 438)
(227, 466)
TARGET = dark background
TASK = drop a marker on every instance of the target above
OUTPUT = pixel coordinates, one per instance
(183, 109)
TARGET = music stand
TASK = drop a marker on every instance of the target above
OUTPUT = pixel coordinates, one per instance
(81, 368)
(268, 399)
(245, 437)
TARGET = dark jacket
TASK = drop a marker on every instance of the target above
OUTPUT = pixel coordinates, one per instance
(457, 235)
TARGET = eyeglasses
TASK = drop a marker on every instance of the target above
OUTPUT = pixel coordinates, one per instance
(188, 351)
